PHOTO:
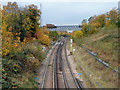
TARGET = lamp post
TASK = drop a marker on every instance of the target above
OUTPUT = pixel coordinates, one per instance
(71, 40)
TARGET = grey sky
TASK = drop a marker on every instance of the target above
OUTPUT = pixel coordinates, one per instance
(60, 13)
(73, 13)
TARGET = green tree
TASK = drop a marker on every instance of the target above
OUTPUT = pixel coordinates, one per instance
(53, 35)
(0, 17)
(12, 16)
(101, 20)
(84, 21)
(85, 28)
(34, 15)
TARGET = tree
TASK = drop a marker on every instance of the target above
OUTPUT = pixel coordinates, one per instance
(77, 34)
(90, 19)
(34, 15)
(46, 32)
(53, 35)
(84, 21)
(101, 20)
(27, 24)
(42, 38)
(0, 17)
(9, 44)
(113, 16)
(12, 16)
(107, 23)
(96, 24)
(85, 28)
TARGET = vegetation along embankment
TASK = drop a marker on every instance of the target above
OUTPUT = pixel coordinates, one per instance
(22, 43)
(99, 34)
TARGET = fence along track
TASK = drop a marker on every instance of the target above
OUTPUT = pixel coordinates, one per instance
(101, 61)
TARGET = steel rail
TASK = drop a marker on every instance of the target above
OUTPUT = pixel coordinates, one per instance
(46, 69)
(64, 76)
(55, 78)
(78, 84)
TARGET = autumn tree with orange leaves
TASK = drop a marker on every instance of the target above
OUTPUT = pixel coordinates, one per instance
(20, 27)
(112, 17)
(42, 37)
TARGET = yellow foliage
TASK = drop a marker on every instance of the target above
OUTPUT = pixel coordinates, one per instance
(9, 43)
(33, 39)
(3, 69)
(26, 40)
(45, 30)
(46, 40)
(6, 37)
(107, 23)
(5, 74)
(84, 27)
(113, 16)
(77, 34)
(43, 39)
(96, 24)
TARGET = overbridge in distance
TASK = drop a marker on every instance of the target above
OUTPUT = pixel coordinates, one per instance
(63, 28)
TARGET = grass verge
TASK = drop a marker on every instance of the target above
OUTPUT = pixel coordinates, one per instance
(101, 74)
(104, 43)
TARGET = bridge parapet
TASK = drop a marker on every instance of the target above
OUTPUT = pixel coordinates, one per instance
(66, 28)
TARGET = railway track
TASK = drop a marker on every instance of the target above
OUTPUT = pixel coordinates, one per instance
(76, 82)
(59, 78)
(58, 73)
(48, 71)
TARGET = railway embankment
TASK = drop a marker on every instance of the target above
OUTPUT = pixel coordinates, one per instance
(96, 58)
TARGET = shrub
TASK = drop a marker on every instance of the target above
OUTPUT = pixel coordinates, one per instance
(42, 38)
(33, 48)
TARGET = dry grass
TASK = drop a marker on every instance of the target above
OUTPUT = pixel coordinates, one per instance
(103, 75)
(103, 44)
(107, 49)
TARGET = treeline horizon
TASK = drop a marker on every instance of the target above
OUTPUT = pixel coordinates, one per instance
(96, 22)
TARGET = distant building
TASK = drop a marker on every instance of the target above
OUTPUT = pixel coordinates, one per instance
(50, 26)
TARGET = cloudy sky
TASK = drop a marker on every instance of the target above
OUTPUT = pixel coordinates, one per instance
(67, 12)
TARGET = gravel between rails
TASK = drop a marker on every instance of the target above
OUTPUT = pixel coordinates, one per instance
(49, 76)
(56, 64)
(42, 69)
(66, 69)
(61, 83)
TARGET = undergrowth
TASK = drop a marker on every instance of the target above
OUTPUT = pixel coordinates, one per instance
(19, 68)
(104, 43)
